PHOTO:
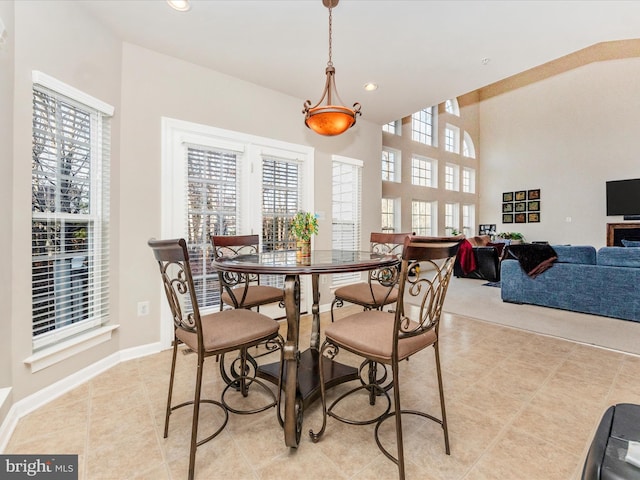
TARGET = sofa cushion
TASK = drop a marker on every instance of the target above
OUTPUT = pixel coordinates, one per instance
(619, 256)
(584, 254)
(630, 243)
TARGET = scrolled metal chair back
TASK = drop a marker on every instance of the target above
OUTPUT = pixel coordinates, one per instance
(231, 246)
(425, 272)
(173, 260)
(386, 244)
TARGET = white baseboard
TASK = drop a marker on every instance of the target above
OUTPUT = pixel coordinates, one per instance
(55, 390)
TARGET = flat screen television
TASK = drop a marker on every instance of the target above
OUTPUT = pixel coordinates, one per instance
(623, 197)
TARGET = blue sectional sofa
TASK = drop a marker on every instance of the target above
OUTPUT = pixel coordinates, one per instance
(606, 282)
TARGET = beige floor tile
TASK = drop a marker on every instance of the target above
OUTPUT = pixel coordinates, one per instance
(490, 400)
(69, 417)
(518, 455)
(307, 463)
(137, 452)
(159, 472)
(625, 389)
(566, 423)
(631, 365)
(513, 398)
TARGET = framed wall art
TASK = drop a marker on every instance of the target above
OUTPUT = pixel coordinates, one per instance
(521, 206)
(487, 229)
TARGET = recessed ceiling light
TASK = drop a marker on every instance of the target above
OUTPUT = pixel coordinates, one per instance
(370, 86)
(180, 5)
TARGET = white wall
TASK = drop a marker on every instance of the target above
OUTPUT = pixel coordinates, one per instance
(566, 135)
(6, 201)
(59, 40)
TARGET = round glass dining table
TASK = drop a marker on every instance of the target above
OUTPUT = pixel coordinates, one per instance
(301, 383)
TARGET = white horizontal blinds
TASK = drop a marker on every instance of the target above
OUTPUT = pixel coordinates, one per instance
(281, 199)
(212, 209)
(70, 217)
(347, 197)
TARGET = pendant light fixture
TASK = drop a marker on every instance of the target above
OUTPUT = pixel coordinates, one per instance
(330, 119)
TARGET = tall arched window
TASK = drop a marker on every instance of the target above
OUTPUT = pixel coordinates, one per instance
(468, 150)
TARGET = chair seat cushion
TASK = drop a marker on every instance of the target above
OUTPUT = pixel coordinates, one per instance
(360, 293)
(229, 329)
(370, 334)
(257, 295)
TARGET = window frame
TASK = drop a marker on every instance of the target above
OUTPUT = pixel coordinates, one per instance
(468, 148)
(394, 127)
(176, 135)
(391, 165)
(468, 219)
(452, 177)
(452, 139)
(390, 214)
(356, 167)
(423, 126)
(451, 217)
(97, 219)
(430, 217)
(468, 180)
(452, 107)
(428, 165)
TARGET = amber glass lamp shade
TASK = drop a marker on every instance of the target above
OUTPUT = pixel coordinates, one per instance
(330, 119)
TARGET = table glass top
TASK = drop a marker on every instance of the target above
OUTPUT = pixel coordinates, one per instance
(320, 261)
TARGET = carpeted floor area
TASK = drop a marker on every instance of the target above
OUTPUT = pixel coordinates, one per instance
(468, 297)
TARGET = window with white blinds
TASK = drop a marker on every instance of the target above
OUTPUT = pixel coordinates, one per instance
(281, 199)
(222, 182)
(347, 199)
(69, 210)
(212, 209)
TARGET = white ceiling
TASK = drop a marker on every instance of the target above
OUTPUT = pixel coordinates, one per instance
(419, 52)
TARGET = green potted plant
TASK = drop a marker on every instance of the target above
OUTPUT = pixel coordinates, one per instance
(515, 237)
(303, 226)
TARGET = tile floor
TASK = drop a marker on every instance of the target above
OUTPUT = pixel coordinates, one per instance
(520, 406)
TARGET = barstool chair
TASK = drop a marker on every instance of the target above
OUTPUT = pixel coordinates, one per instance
(390, 337)
(209, 335)
(243, 290)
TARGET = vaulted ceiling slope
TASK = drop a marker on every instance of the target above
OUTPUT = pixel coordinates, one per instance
(419, 52)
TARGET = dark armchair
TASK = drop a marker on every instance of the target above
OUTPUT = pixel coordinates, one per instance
(486, 256)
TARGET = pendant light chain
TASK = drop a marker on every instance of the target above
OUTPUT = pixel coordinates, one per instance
(330, 63)
(330, 119)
